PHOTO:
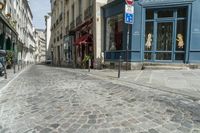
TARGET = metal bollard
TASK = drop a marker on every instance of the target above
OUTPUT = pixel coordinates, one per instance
(14, 68)
(18, 65)
(119, 67)
(5, 71)
(89, 65)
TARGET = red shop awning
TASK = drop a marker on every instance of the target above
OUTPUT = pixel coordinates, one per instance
(85, 39)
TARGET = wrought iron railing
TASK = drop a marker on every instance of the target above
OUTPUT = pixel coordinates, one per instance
(67, 29)
(72, 25)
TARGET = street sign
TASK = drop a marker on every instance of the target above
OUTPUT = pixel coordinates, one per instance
(129, 18)
(130, 2)
(129, 14)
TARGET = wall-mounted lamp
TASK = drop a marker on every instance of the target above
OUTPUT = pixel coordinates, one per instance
(2, 5)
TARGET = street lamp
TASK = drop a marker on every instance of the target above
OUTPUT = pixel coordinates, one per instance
(2, 5)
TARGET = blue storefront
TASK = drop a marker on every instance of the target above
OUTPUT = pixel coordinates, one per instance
(164, 31)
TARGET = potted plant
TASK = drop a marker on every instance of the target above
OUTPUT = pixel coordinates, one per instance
(85, 61)
(9, 59)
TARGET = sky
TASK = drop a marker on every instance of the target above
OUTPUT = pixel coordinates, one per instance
(39, 8)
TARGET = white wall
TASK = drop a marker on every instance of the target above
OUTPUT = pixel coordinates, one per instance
(48, 31)
(98, 28)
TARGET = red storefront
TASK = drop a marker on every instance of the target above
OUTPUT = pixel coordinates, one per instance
(83, 43)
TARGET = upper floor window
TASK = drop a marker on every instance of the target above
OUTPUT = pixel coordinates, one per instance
(79, 6)
(165, 13)
(73, 12)
(90, 2)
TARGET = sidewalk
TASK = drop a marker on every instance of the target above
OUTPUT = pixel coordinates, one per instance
(10, 75)
(184, 82)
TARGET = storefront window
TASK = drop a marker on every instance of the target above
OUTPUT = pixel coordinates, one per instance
(68, 48)
(149, 14)
(165, 13)
(114, 33)
(182, 12)
(149, 36)
(170, 35)
(1, 36)
(164, 36)
(181, 35)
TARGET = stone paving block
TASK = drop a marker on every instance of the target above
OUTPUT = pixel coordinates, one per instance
(48, 99)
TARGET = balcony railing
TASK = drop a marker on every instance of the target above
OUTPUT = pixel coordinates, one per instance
(88, 12)
(67, 29)
(79, 20)
(72, 25)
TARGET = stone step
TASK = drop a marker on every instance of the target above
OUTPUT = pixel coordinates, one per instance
(166, 67)
(170, 66)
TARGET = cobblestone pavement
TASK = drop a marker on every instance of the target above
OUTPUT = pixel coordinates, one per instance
(51, 100)
(10, 75)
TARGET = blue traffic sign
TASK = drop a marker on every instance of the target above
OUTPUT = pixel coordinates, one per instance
(129, 18)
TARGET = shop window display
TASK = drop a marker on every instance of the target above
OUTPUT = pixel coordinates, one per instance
(114, 33)
(1, 36)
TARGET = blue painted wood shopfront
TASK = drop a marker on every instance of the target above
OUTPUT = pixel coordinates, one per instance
(165, 31)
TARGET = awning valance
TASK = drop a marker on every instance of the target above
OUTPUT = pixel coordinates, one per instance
(85, 39)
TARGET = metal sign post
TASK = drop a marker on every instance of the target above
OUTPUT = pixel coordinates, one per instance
(128, 34)
(129, 19)
(89, 65)
(119, 67)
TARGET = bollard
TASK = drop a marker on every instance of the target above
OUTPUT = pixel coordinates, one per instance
(21, 64)
(5, 71)
(18, 65)
(119, 67)
(14, 67)
(89, 65)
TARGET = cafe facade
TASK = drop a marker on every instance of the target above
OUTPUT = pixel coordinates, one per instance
(164, 31)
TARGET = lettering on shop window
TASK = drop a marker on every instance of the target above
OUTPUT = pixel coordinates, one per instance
(180, 40)
(149, 40)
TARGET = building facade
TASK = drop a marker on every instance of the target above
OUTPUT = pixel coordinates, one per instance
(26, 41)
(40, 49)
(8, 33)
(76, 31)
(164, 31)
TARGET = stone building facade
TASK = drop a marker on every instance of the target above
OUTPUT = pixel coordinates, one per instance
(24, 27)
(164, 32)
(40, 50)
(76, 31)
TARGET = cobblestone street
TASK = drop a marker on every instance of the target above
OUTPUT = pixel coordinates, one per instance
(51, 100)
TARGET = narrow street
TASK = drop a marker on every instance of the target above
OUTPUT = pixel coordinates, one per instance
(52, 100)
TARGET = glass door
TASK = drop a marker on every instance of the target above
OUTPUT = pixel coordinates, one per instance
(164, 41)
(165, 34)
